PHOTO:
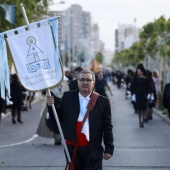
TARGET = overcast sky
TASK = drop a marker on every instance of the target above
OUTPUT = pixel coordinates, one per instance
(109, 13)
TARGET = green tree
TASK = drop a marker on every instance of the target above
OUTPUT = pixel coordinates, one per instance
(99, 57)
(131, 56)
(155, 38)
(35, 9)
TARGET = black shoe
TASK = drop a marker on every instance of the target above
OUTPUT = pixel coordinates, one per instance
(150, 118)
(57, 142)
(20, 121)
(146, 120)
(13, 121)
(141, 125)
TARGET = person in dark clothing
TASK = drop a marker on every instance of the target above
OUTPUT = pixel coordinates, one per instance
(16, 97)
(128, 81)
(101, 84)
(73, 85)
(153, 96)
(2, 106)
(119, 78)
(166, 97)
(97, 127)
(113, 77)
(68, 75)
(141, 88)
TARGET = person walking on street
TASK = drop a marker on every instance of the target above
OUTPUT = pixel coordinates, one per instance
(157, 83)
(118, 78)
(16, 97)
(101, 84)
(73, 85)
(152, 98)
(128, 81)
(166, 97)
(140, 90)
(98, 125)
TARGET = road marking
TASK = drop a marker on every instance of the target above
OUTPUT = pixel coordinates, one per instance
(20, 143)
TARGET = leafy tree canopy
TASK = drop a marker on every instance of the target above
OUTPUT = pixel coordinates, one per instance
(35, 9)
(154, 38)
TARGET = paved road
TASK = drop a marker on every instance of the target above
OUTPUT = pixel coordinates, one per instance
(135, 148)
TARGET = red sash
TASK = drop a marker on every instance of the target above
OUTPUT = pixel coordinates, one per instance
(82, 140)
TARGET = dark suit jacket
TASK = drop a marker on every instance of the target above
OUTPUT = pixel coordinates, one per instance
(100, 125)
(166, 96)
(73, 85)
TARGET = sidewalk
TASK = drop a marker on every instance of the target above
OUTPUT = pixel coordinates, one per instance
(161, 115)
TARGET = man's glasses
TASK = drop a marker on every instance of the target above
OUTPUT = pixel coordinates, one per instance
(87, 80)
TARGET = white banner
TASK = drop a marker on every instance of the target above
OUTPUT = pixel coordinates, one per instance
(36, 57)
(2, 86)
(4, 72)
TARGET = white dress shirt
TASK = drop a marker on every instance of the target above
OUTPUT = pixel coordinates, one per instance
(83, 108)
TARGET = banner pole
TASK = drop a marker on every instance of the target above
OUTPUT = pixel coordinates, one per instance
(53, 107)
(24, 14)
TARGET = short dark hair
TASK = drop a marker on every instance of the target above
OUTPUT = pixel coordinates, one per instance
(78, 69)
(86, 72)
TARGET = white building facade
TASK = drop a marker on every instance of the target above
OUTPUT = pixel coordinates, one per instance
(125, 36)
(78, 36)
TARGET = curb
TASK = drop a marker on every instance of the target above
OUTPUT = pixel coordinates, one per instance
(161, 115)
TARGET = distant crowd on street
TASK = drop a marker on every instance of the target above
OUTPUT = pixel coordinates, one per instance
(152, 87)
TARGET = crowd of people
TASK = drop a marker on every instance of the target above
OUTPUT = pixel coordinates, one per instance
(22, 100)
(144, 88)
(71, 100)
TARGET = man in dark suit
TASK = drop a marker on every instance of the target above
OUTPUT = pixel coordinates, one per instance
(98, 125)
(166, 97)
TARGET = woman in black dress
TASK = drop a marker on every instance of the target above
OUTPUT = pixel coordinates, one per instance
(141, 89)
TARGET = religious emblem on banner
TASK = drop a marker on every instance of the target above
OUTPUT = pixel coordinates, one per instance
(36, 56)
